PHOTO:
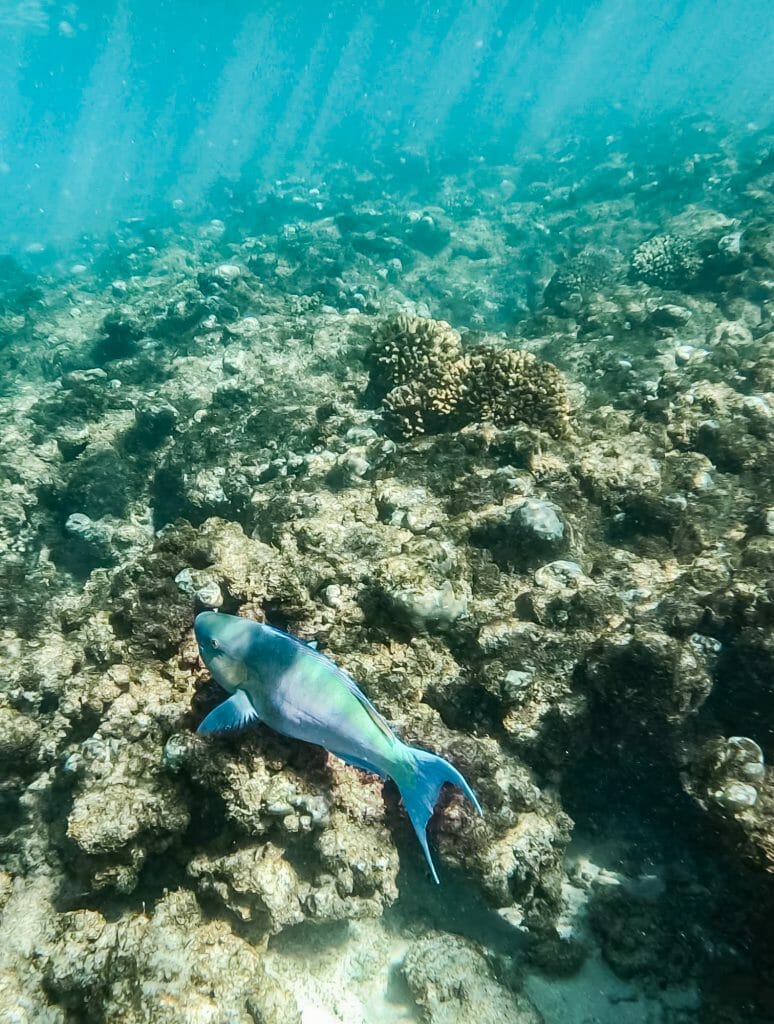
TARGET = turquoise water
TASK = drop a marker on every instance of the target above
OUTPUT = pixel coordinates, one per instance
(440, 337)
(116, 110)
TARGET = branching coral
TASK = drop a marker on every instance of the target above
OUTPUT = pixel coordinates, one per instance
(515, 387)
(415, 369)
(427, 385)
(666, 260)
(412, 350)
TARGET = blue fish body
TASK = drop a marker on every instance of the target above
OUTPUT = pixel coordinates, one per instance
(275, 678)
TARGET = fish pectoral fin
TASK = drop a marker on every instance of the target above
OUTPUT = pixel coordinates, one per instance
(234, 713)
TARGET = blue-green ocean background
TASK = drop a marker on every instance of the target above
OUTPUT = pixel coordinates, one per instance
(113, 110)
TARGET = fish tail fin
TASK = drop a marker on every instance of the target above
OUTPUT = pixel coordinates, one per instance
(419, 787)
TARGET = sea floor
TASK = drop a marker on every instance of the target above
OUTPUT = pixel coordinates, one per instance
(499, 438)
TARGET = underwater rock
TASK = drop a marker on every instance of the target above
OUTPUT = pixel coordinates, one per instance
(18, 289)
(154, 423)
(257, 884)
(664, 679)
(670, 315)
(98, 483)
(422, 586)
(18, 739)
(192, 967)
(522, 534)
(422, 607)
(209, 595)
(643, 937)
(122, 333)
(737, 796)
(348, 871)
(452, 983)
(427, 232)
(573, 282)
(523, 866)
(147, 608)
(124, 806)
(727, 773)
(612, 469)
(94, 538)
(413, 508)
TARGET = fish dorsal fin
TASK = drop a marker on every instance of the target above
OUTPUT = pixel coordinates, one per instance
(308, 651)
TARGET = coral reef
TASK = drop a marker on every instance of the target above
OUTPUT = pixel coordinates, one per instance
(451, 981)
(515, 387)
(555, 571)
(576, 279)
(417, 372)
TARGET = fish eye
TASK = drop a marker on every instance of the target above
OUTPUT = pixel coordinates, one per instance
(214, 644)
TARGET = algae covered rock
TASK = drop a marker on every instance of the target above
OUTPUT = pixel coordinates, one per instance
(524, 533)
(256, 884)
(423, 587)
(323, 852)
(171, 967)
(577, 278)
(124, 805)
(18, 739)
(452, 983)
(729, 778)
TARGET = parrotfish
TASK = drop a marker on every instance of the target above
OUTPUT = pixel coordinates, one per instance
(277, 679)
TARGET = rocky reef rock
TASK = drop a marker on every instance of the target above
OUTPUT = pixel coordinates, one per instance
(452, 983)
(171, 967)
(576, 279)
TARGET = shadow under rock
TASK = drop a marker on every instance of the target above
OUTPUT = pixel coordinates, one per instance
(456, 905)
(708, 924)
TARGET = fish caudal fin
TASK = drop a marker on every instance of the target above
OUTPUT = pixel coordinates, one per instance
(420, 792)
